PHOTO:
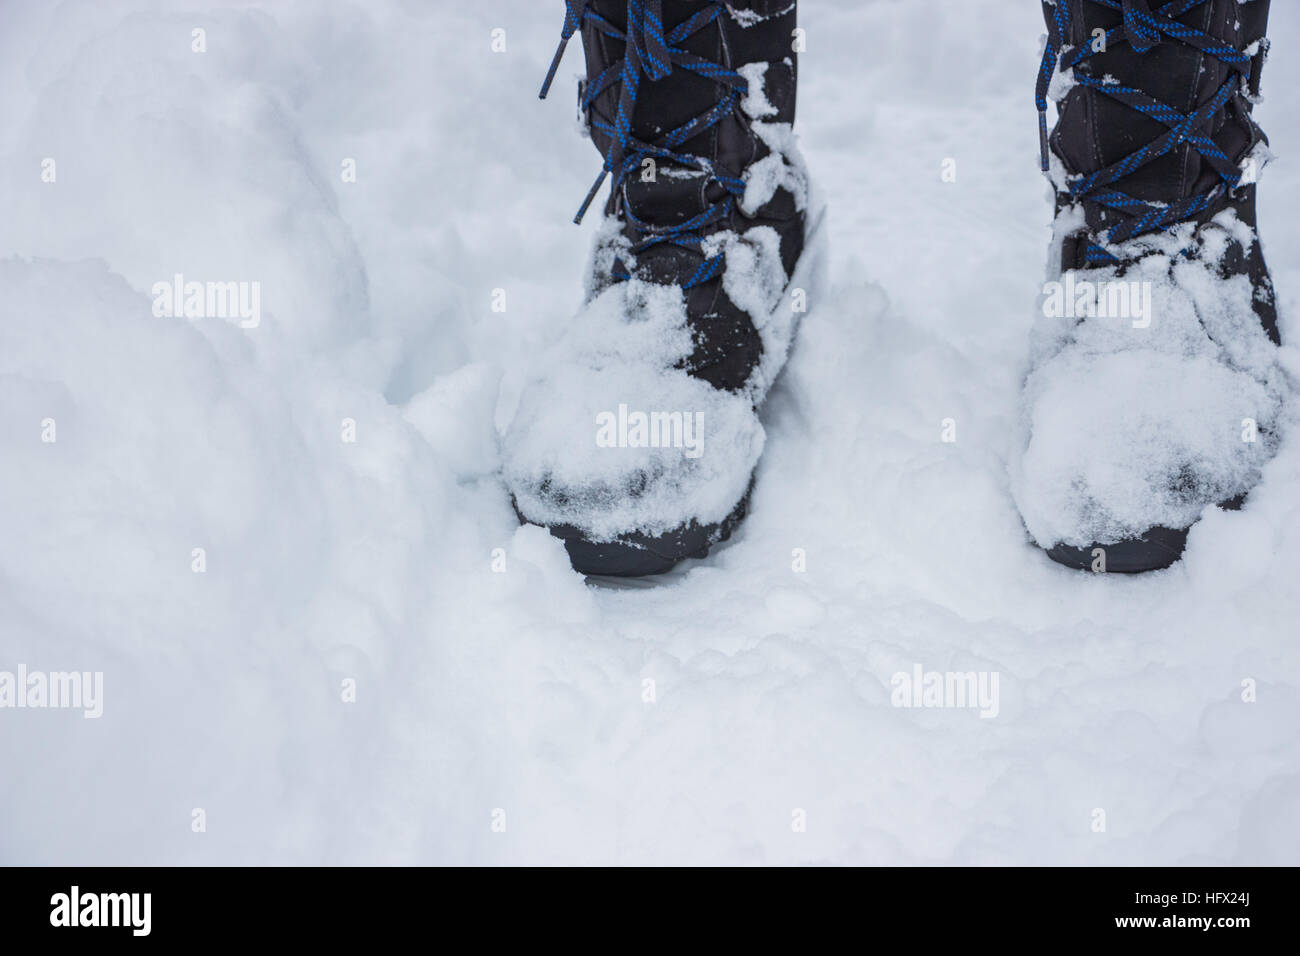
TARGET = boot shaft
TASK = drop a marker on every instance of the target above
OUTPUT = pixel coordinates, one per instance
(1096, 129)
(738, 35)
(685, 99)
(1155, 128)
(732, 36)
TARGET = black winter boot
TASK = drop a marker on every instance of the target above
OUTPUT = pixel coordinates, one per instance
(1155, 390)
(636, 443)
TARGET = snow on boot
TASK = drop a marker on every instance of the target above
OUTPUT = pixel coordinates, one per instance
(1155, 390)
(637, 440)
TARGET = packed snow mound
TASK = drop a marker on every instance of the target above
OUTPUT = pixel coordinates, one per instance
(1155, 394)
(187, 124)
(615, 437)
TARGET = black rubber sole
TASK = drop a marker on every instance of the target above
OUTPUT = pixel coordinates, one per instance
(640, 555)
(1155, 550)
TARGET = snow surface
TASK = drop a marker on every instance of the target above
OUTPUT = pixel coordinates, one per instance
(524, 690)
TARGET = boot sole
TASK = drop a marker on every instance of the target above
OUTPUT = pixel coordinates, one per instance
(1157, 549)
(640, 555)
(1154, 551)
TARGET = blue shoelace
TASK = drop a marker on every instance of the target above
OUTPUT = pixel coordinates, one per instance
(652, 53)
(1144, 29)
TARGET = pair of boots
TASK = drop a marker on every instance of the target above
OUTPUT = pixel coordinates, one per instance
(637, 442)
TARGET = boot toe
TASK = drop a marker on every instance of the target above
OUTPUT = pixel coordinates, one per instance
(634, 468)
(1125, 451)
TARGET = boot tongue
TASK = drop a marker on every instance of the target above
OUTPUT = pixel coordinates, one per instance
(665, 194)
(677, 195)
(1163, 68)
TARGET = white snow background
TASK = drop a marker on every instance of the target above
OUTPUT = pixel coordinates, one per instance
(372, 561)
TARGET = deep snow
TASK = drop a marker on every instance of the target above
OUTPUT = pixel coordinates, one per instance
(523, 690)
